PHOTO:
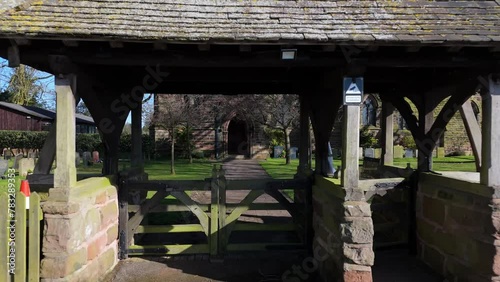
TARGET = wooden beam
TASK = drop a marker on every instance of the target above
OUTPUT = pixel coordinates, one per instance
(455, 49)
(245, 48)
(22, 41)
(473, 131)
(160, 46)
(329, 48)
(204, 47)
(13, 56)
(413, 49)
(350, 147)
(387, 133)
(116, 44)
(70, 43)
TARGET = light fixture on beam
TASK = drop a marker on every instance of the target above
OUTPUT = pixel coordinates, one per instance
(288, 54)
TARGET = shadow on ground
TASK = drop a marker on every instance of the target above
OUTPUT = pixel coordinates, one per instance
(192, 269)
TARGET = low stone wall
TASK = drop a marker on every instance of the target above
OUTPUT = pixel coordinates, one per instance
(343, 239)
(458, 226)
(81, 230)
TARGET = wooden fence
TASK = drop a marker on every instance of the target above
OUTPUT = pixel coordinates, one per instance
(216, 220)
(20, 237)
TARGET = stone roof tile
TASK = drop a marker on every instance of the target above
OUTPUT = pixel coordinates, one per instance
(421, 21)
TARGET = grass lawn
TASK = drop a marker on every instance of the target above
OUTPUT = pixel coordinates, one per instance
(459, 163)
(157, 170)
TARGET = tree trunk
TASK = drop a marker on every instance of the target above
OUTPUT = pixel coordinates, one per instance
(172, 153)
(189, 151)
(287, 145)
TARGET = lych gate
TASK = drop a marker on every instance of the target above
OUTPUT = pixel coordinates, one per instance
(110, 53)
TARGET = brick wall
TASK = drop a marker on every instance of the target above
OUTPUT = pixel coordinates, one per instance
(80, 235)
(458, 224)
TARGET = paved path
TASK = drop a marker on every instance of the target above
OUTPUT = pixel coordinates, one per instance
(247, 169)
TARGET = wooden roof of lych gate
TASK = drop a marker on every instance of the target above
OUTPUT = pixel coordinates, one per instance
(383, 22)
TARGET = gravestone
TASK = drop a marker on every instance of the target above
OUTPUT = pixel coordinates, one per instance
(25, 166)
(95, 156)
(293, 153)
(87, 159)
(7, 155)
(369, 153)
(78, 159)
(360, 153)
(33, 155)
(398, 151)
(16, 160)
(408, 153)
(4, 165)
(278, 150)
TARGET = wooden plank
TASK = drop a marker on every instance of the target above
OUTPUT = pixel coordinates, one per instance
(136, 250)
(350, 147)
(134, 222)
(34, 238)
(206, 207)
(170, 185)
(123, 213)
(202, 217)
(20, 272)
(214, 214)
(174, 228)
(284, 202)
(264, 227)
(264, 247)
(4, 236)
(261, 184)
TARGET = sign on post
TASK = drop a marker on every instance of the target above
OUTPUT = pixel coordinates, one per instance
(353, 90)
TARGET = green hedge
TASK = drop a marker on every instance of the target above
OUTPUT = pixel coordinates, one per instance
(22, 139)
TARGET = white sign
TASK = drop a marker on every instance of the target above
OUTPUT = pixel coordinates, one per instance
(353, 90)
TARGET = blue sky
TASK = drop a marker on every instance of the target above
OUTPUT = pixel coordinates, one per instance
(49, 82)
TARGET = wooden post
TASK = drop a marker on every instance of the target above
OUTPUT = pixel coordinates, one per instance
(4, 236)
(426, 119)
(214, 215)
(65, 172)
(123, 220)
(387, 133)
(34, 238)
(224, 233)
(304, 145)
(20, 272)
(350, 147)
(490, 168)
(473, 131)
(47, 154)
(136, 156)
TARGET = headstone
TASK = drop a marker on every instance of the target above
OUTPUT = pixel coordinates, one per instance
(26, 166)
(7, 154)
(408, 153)
(32, 155)
(378, 153)
(278, 150)
(95, 156)
(360, 153)
(293, 153)
(440, 152)
(87, 159)
(16, 160)
(4, 165)
(78, 159)
(398, 151)
(369, 153)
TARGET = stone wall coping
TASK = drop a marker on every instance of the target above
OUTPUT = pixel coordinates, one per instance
(84, 188)
(371, 184)
(458, 184)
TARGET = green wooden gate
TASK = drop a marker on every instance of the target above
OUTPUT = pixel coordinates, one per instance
(216, 220)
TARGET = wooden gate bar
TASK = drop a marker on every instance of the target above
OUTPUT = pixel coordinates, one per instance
(134, 222)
